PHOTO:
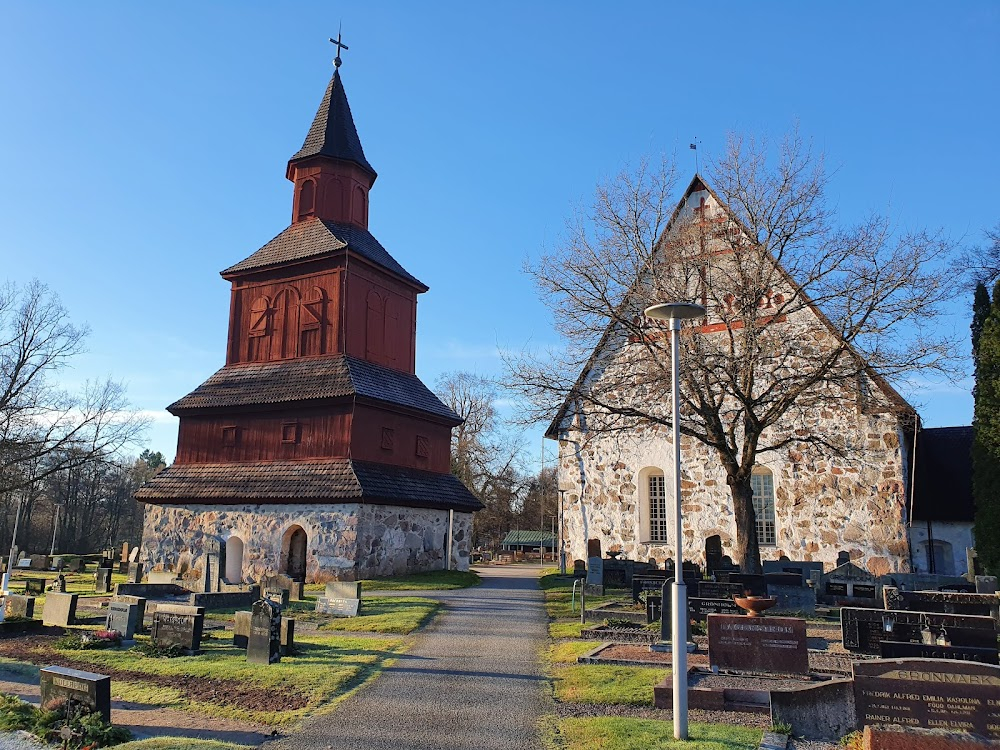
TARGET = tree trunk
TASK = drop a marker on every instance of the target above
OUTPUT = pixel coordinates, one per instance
(747, 550)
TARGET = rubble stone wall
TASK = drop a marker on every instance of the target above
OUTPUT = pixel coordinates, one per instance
(344, 542)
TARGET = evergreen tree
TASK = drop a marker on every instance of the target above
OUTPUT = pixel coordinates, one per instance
(980, 311)
(986, 432)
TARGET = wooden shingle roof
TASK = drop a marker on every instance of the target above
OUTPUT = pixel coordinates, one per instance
(308, 380)
(328, 481)
(313, 238)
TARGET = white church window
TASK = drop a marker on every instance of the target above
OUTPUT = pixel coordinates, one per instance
(657, 508)
(762, 483)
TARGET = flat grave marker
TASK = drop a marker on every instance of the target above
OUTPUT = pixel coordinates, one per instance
(87, 688)
(59, 609)
(758, 644)
(928, 693)
(339, 607)
(264, 643)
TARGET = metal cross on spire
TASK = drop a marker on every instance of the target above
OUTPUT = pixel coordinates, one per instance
(340, 45)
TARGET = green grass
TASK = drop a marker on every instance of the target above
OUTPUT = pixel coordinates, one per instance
(432, 580)
(76, 583)
(606, 684)
(642, 734)
(567, 652)
(566, 629)
(399, 615)
(326, 668)
(179, 743)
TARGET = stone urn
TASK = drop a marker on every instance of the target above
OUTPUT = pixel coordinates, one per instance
(755, 605)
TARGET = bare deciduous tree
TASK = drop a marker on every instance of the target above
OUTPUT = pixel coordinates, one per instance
(45, 428)
(803, 313)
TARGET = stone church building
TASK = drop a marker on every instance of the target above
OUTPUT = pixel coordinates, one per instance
(315, 451)
(809, 506)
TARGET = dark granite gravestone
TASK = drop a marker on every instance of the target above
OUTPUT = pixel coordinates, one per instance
(752, 583)
(716, 590)
(758, 644)
(58, 563)
(139, 603)
(984, 605)
(241, 628)
(804, 568)
(339, 607)
(783, 578)
(843, 558)
(281, 596)
(85, 688)
(900, 650)
(134, 573)
(713, 554)
(986, 584)
(178, 625)
(594, 548)
(928, 693)
(863, 630)
(848, 582)
(59, 584)
(264, 643)
(123, 568)
(652, 581)
(579, 568)
(34, 586)
(15, 605)
(75, 565)
(287, 646)
(123, 618)
(59, 609)
(102, 580)
(698, 608)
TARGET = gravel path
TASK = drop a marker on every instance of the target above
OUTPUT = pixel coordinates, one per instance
(472, 679)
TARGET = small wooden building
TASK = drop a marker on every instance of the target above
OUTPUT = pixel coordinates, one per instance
(315, 451)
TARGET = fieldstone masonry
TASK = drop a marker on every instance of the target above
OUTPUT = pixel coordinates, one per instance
(345, 541)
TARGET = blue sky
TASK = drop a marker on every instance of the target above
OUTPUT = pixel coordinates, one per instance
(143, 146)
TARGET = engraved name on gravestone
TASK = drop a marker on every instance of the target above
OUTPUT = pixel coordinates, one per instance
(646, 583)
(241, 628)
(928, 693)
(863, 630)
(264, 643)
(59, 609)
(178, 625)
(89, 689)
(124, 618)
(758, 644)
(714, 590)
(900, 650)
(16, 605)
(102, 580)
(983, 605)
(341, 598)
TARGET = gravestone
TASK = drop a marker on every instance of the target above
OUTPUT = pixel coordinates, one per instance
(59, 584)
(281, 596)
(139, 603)
(339, 607)
(134, 573)
(983, 605)
(75, 565)
(59, 609)
(133, 556)
(125, 551)
(123, 618)
(34, 586)
(645, 583)
(752, 584)
(287, 647)
(178, 625)
(102, 580)
(843, 558)
(716, 590)
(930, 694)
(900, 650)
(758, 644)
(579, 568)
(863, 630)
(241, 628)
(58, 563)
(15, 605)
(24, 563)
(211, 574)
(39, 562)
(85, 688)
(698, 609)
(804, 568)
(595, 575)
(986, 584)
(848, 581)
(713, 554)
(264, 643)
(123, 568)
(594, 548)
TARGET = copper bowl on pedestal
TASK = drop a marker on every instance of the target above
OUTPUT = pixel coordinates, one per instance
(755, 605)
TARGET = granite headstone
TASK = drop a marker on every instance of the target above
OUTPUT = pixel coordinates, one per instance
(264, 643)
(85, 688)
(758, 644)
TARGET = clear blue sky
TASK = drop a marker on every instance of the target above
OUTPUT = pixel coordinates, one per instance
(143, 146)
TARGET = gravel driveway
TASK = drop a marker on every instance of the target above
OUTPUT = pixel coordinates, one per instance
(472, 679)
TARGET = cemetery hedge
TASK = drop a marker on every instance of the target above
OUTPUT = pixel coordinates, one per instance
(611, 733)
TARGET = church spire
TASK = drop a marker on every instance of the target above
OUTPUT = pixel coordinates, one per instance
(331, 174)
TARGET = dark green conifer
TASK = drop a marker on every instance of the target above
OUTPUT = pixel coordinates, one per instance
(986, 432)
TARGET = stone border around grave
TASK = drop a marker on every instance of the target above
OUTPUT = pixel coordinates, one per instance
(609, 634)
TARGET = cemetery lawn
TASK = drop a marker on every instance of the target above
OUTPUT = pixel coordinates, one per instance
(432, 580)
(220, 682)
(611, 733)
(599, 683)
(397, 615)
(76, 583)
(563, 611)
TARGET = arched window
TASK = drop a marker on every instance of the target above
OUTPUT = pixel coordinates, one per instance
(653, 521)
(762, 483)
(307, 199)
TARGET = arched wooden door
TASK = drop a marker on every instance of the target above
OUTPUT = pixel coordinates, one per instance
(297, 542)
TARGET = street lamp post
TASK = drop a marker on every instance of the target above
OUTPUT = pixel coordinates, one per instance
(11, 562)
(674, 313)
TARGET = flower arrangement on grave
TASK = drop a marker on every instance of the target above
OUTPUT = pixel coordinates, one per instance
(76, 640)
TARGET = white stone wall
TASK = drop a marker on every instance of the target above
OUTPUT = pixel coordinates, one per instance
(345, 541)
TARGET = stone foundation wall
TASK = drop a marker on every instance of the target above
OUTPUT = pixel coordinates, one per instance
(344, 542)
